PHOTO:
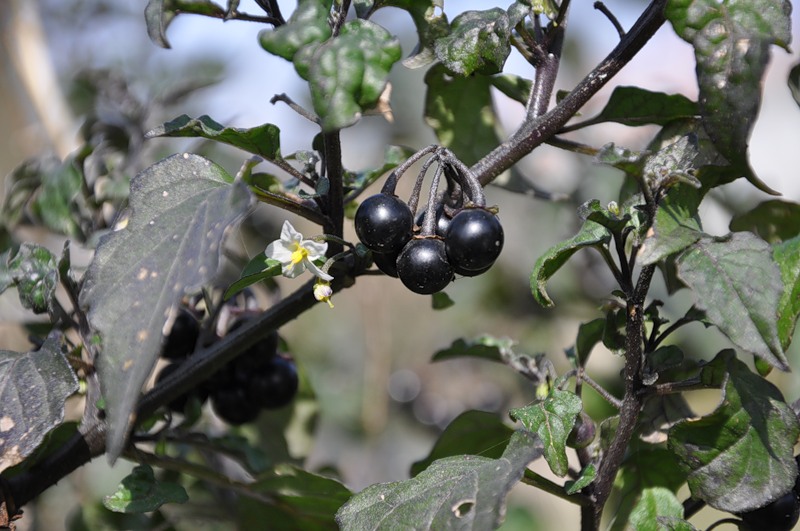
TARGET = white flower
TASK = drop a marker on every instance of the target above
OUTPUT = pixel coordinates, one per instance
(296, 254)
(323, 291)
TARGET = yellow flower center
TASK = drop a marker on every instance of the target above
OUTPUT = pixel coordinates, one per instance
(299, 254)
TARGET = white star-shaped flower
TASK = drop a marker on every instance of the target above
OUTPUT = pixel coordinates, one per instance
(296, 254)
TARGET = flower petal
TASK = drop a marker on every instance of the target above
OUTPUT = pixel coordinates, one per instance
(291, 270)
(289, 234)
(317, 271)
(280, 251)
(315, 249)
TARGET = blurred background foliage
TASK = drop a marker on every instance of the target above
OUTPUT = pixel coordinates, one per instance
(79, 73)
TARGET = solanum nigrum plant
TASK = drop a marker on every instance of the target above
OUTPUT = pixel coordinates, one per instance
(172, 232)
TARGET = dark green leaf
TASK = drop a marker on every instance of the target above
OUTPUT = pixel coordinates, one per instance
(737, 283)
(589, 335)
(159, 13)
(584, 479)
(263, 140)
(637, 106)
(676, 225)
(627, 160)
(180, 210)
(671, 523)
(471, 433)
(775, 221)
(308, 25)
(34, 270)
(460, 112)
(141, 493)
(258, 269)
(673, 163)
(552, 420)
(787, 256)
(648, 467)
(731, 40)
(591, 235)
(478, 43)
(6, 274)
(393, 156)
(441, 301)
(593, 211)
(349, 73)
(33, 388)
(515, 87)
(653, 503)
(304, 501)
(428, 17)
(485, 346)
(742, 455)
(462, 492)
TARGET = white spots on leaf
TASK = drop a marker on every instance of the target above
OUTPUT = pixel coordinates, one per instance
(6, 423)
(153, 274)
(151, 222)
(127, 365)
(164, 194)
(142, 274)
(185, 155)
(142, 335)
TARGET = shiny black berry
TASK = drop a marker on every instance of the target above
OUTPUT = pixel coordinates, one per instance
(474, 240)
(780, 515)
(233, 406)
(423, 267)
(178, 405)
(442, 221)
(183, 336)
(386, 262)
(383, 223)
(275, 385)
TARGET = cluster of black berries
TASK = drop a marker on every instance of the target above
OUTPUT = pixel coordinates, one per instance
(456, 234)
(260, 378)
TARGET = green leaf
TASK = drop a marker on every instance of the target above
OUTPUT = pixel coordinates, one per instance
(586, 477)
(471, 433)
(671, 523)
(478, 43)
(731, 40)
(787, 256)
(653, 503)
(460, 112)
(393, 156)
(140, 492)
(635, 106)
(303, 500)
(349, 73)
(263, 140)
(775, 221)
(589, 335)
(593, 211)
(741, 456)
(461, 492)
(648, 467)
(552, 420)
(180, 210)
(592, 234)
(34, 270)
(675, 162)
(441, 301)
(515, 87)
(308, 25)
(159, 13)
(428, 17)
(257, 269)
(738, 285)
(33, 388)
(676, 225)
(484, 346)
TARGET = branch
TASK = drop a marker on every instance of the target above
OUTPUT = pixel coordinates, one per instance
(535, 131)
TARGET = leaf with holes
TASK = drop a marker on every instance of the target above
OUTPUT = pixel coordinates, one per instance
(263, 140)
(478, 43)
(461, 492)
(140, 492)
(180, 210)
(33, 388)
(552, 420)
(741, 456)
(731, 40)
(460, 112)
(737, 283)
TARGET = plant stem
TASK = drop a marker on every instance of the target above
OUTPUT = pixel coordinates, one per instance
(334, 204)
(535, 480)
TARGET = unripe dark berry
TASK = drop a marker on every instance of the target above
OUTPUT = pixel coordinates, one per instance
(423, 267)
(582, 433)
(473, 241)
(383, 223)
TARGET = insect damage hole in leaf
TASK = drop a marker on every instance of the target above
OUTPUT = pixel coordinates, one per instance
(180, 209)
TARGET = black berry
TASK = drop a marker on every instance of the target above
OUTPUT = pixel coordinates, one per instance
(474, 240)
(442, 221)
(423, 267)
(383, 223)
(178, 405)
(232, 406)
(386, 262)
(275, 385)
(182, 338)
(780, 515)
